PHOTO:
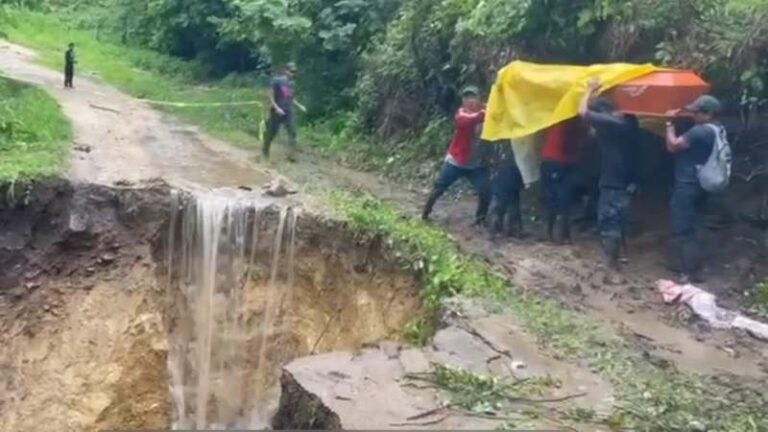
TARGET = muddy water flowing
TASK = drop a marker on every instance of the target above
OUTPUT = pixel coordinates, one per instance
(215, 338)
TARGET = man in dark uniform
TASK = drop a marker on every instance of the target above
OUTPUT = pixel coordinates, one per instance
(690, 150)
(69, 66)
(616, 135)
(507, 184)
(281, 111)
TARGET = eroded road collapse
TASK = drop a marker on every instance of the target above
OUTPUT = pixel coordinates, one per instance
(148, 308)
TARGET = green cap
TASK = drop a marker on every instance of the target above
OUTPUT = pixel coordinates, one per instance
(291, 66)
(705, 103)
(470, 90)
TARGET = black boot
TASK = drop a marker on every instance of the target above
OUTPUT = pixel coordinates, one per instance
(429, 205)
(515, 223)
(551, 220)
(611, 247)
(691, 262)
(484, 203)
(565, 228)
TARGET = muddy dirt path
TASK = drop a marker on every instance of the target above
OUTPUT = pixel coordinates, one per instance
(119, 138)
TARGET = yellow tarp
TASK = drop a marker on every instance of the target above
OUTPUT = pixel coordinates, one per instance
(530, 97)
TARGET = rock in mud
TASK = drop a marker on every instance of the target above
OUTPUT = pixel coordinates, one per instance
(365, 390)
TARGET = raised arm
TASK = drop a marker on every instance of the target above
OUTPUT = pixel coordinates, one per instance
(592, 87)
(464, 117)
(675, 143)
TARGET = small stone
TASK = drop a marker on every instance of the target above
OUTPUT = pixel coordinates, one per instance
(107, 258)
(390, 349)
(518, 365)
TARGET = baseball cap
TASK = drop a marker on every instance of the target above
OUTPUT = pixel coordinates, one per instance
(705, 103)
(470, 90)
(291, 66)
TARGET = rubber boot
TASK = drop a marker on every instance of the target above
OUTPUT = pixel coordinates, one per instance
(564, 228)
(515, 223)
(691, 262)
(482, 211)
(611, 247)
(551, 220)
(429, 206)
(497, 224)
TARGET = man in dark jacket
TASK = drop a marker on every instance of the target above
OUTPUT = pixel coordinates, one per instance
(69, 66)
(690, 150)
(616, 135)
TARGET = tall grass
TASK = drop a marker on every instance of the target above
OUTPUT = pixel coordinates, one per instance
(34, 134)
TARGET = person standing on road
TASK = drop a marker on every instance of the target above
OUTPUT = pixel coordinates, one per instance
(466, 156)
(690, 150)
(69, 66)
(281, 101)
(616, 135)
(507, 185)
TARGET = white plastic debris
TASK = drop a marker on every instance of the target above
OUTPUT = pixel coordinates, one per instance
(704, 305)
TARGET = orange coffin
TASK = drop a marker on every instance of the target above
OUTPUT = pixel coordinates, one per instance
(658, 92)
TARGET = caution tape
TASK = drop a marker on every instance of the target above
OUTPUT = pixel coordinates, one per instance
(199, 104)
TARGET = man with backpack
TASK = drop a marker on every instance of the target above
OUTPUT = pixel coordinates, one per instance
(702, 165)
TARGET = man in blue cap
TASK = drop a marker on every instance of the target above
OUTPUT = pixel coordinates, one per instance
(690, 151)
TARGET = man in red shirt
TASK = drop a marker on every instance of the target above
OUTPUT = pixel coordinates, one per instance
(559, 156)
(466, 156)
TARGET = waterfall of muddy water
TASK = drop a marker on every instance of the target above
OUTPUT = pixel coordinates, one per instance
(212, 248)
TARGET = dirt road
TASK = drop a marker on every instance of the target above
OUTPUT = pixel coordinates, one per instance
(119, 138)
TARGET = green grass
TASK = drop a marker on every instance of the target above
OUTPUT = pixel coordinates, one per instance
(649, 398)
(34, 134)
(145, 74)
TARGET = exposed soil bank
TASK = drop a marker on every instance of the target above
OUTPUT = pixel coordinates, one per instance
(87, 319)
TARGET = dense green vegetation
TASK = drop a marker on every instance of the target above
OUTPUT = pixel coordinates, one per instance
(34, 135)
(390, 68)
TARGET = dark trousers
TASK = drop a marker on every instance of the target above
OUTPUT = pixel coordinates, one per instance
(612, 216)
(686, 216)
(558, 186)
(449, 174)
(69, 75)
(273, 127)
(507, 185)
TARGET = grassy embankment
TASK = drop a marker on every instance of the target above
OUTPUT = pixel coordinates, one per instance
(34, 134)
(649, 398)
